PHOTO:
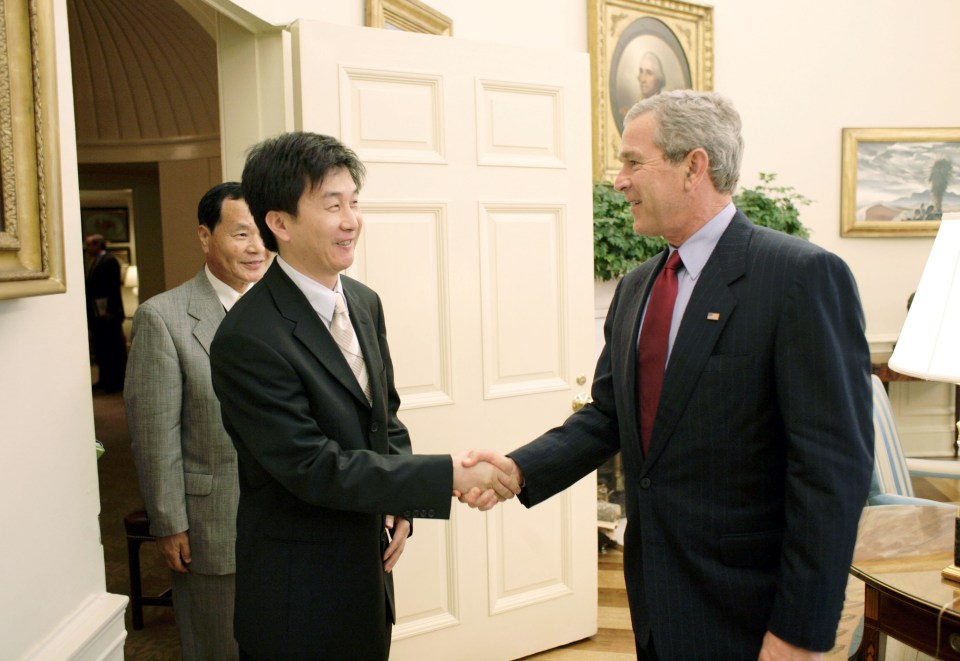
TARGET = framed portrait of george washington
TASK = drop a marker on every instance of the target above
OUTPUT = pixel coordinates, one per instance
(639, 48)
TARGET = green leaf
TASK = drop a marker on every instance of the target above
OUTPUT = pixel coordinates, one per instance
(773, 206)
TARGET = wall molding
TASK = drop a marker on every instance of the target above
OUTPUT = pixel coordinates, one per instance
(94, 632)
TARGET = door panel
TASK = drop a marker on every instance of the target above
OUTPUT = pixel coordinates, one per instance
(410, 239)
(478, 237)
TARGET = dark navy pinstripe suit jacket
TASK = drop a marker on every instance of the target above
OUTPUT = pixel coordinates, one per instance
(743, 516)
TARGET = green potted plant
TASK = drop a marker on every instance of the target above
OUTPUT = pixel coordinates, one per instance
(773, 206)
(616, 249)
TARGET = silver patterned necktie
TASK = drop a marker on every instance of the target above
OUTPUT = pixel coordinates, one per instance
(346, 338)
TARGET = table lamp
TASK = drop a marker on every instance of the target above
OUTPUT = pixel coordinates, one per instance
(929, 344)
(131, 278)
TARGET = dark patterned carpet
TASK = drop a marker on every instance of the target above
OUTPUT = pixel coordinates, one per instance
(120, 495)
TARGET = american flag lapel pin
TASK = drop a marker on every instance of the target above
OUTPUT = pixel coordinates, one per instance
(713, 316)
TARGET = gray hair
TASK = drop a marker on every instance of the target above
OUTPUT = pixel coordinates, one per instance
(687, 120)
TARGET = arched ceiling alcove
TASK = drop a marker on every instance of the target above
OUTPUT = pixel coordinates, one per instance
(144, 81)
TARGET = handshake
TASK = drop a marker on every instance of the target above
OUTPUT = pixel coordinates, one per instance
(483, 478)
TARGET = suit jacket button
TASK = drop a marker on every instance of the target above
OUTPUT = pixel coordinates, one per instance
(374, 427)
(407, 515)
(431, 513)
(645, 483)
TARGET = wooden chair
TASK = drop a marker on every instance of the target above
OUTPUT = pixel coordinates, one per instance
(137, 526)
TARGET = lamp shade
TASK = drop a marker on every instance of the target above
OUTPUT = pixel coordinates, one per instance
(929, 344)
(131, 277)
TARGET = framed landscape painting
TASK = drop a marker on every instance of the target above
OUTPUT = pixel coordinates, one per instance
(898, 182)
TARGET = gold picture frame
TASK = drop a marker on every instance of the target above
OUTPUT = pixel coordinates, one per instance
(31, 223)
(408, 16)
(887, 180)
(676, 36)
(109, 213)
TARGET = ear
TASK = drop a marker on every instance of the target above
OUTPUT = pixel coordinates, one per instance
(205, 237)
(698, 167)
(277, 221)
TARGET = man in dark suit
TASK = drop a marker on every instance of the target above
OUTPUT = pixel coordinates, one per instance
(105, 313)
(746, 474)
(301, 365)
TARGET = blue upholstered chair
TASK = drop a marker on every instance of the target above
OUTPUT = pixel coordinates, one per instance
(892, 471)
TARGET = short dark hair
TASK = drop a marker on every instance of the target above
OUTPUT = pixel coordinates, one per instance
(211, 204)
(279, 169)
(95, 240)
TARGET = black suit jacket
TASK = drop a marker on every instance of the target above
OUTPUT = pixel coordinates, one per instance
(319, 467)
(743, 516)
(103, 284)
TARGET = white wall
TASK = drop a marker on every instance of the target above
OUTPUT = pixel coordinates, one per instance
(548, 24)
(51, 562)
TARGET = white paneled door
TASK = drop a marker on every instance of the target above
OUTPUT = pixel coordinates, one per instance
(478, 237)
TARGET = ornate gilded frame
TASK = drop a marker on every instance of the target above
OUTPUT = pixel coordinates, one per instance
(885, 176)
(31, 224)
(621, 31)
(409, 16)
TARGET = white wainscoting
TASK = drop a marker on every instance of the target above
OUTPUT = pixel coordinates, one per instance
(924, 411)
(94, 632)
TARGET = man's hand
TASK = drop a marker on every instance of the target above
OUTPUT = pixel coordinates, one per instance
(485, 482)
(399, 529)
(777, 649)
(176, 551)
(484, 500)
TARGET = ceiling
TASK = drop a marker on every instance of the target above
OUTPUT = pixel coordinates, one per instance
(144, 81)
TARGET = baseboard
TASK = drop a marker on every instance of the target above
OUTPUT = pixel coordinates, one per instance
(94, 632)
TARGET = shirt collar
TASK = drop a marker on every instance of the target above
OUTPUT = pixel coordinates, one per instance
(321, 299)
(228, 295)
(696, 250)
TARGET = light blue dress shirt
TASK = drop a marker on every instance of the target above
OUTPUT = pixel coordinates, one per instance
(694, 253)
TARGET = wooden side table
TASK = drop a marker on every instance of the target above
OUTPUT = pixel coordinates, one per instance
(900, 552)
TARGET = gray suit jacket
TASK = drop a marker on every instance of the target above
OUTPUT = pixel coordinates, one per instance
(185, 460)
(743, 515)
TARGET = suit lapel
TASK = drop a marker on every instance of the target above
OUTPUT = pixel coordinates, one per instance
(309, 329)
(634, 301)
(708, 311)
(625, 336)
(205, 308)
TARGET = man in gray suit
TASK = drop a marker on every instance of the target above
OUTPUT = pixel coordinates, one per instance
(735, 381)
(185, 461)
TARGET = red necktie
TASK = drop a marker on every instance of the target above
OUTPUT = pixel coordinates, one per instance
(652, 349)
